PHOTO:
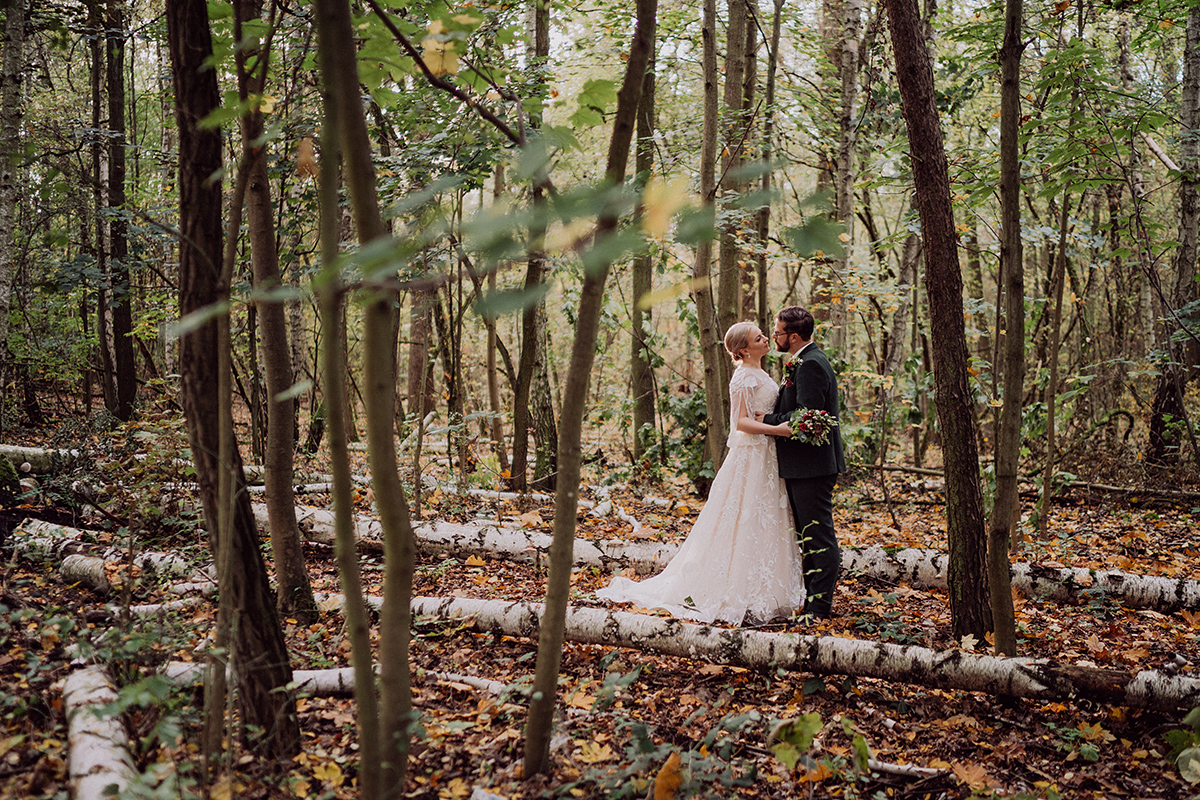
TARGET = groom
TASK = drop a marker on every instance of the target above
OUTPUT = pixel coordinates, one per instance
(810, 471)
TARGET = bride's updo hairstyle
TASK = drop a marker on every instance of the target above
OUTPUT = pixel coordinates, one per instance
(737, 338)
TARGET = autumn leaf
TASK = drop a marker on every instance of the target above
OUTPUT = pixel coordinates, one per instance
(530, 519)
(669, 778)
(330, 772)
(660, 202)
(974, 775)
(475, 561)
(592, 753)
(969, 642)
(1095, 733)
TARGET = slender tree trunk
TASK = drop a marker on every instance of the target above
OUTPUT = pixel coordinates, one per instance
(583, 352)
(716, 370)
(1168, 408)
(764, 314)
(1005, 509)
(641, 371)
(291, 576)
(970, 612)
(847, 142)
(267, 710)
(493, 377)
(354, 609)
(736, 130)
(1056, 294)
(121, 282)
(337, 51)
(11, 79)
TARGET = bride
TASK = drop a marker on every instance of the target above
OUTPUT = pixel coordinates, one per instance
(741, 562)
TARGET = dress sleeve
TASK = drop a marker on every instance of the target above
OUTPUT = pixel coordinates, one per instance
(741, 400)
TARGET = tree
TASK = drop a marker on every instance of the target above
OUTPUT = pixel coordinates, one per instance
(716, 371)
(291, 576)
(1012, 267)
(12, 74)
(943, 284)
(583, 352)
(641, 369)
(258, 655)
(340, 75)
(120, 275)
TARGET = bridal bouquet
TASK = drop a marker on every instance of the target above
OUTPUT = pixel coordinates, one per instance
(812, 426)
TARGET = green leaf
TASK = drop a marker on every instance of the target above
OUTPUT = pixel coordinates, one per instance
(509, 301)
(197, 319)
(816, 235)
(1189, 765)
(793, 737)
(295, 390)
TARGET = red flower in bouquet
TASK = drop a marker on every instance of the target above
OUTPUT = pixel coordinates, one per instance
(812, 426)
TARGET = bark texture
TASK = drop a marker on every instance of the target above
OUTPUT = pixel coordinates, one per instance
(98, 746)
(944, 669)
(291, 576)
(259, 654)
(969, 601)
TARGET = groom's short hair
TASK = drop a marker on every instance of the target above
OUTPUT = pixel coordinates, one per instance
(797, 320)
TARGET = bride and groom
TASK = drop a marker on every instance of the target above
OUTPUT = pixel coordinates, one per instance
(765, 536)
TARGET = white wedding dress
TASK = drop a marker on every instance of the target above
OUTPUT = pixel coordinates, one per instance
(741, 561)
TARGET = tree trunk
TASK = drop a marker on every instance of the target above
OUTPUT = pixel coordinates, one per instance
(716, 365)
(844, 180)
(337, 51)
(583, 353)
(641, 370)
(267, 711)
(736, 130)
(121, 286)
(764, 313)
(1005, 506)
(12, 76)
(952, 670)
(1169, 422)
(354, 609)
(293, 589)
(493, 374)
(97, 742)
(969, 608)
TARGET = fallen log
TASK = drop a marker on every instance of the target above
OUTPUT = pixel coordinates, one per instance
(40, 460)
(98, 747)
(928, 568)
(60, 541)
(1038, 679)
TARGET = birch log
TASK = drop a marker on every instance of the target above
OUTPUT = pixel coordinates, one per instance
(1039, 679)
(928, 568)
(40, 460)
(98, 746)
(61, 541)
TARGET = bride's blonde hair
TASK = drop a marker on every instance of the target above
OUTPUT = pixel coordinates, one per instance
(737, 338)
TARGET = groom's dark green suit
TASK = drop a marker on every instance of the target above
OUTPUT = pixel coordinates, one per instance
(810, 472)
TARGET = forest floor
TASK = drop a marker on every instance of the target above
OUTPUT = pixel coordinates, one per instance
(628, 711)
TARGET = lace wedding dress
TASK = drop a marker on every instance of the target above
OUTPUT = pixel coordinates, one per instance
(741, 561)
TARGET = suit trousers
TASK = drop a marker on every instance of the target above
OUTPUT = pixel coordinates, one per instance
(812, 509)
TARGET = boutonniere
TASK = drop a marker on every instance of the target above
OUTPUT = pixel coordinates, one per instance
(794, 360)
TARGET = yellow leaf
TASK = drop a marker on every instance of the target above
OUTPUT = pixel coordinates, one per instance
(436, 27)
(222, 789)
(329, 771)
(475, 561)
(590, 753)
(969, 642)
(530, 519)
(974, 775)
(660, 202)
(466, 19)
(669, 778)
(306, 159)
(1095, 733)
(581, 700)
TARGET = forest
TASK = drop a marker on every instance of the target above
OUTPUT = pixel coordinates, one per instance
(348, 349)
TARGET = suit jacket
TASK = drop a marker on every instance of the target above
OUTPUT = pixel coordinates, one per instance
(810, 383)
